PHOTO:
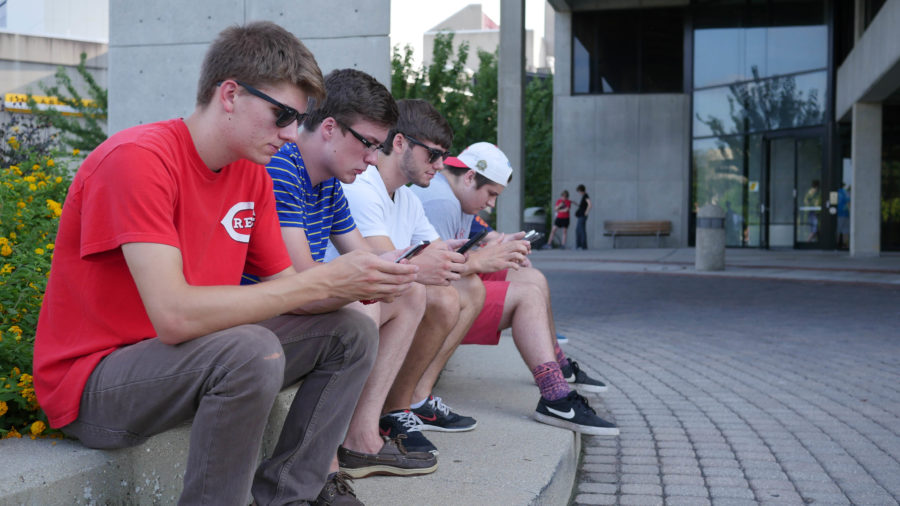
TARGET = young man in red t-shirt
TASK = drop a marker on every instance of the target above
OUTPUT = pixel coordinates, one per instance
(144, 325)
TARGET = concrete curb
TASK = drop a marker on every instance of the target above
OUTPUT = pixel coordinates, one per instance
(508, 459)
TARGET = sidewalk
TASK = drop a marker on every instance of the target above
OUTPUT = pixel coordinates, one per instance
(809, 265)
(508, 459)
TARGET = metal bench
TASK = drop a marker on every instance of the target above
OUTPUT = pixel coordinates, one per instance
(637, 228)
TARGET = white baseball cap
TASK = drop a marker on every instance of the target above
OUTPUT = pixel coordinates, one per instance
(485, 159)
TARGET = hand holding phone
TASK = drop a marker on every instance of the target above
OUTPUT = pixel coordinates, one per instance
(533, 236)
(473, 241)
(415, 250)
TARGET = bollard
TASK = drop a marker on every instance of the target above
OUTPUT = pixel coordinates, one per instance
(710, 250)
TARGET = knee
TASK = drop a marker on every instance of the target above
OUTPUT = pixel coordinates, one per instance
(442, 303)
(255, 351)
(358, 334)
(526, 295)
(471, 291)
(414, 299)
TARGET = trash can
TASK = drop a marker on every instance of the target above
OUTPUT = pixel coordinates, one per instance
(710, 249)
(535, 218)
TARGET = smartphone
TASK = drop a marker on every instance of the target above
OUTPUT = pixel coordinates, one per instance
(473, 241)
(411, 252)
(533, 236)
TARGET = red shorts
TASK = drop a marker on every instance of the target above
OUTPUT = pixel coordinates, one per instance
(486, 329)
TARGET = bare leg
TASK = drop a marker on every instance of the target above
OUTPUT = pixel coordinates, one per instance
(441, 314)
(399, 320)
(535, 277)
(471, 300)
(524, 311)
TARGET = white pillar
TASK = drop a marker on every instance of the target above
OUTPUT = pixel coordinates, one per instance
(511, 110)
(865, 190)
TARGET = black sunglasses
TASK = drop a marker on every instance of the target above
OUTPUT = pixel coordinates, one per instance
(370, 146)
(433, 154)
(286, 113)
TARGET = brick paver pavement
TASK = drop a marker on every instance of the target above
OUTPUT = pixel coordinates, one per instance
(736, 391)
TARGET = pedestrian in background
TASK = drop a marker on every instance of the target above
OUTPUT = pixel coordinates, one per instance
(581, 214)
(562, 207)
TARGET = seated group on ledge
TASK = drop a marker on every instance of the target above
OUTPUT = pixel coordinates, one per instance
(204, 264)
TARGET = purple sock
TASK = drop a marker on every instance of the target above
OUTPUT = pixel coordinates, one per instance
(550, 381)
(560, 356)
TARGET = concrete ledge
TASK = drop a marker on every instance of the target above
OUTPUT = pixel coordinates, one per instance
(508, 459)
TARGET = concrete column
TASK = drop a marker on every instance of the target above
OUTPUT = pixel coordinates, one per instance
(865, 197)
(511, 110)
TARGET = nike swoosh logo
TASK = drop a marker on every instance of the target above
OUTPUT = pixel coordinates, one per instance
(568, 415)
(385, 433)
(427, 418)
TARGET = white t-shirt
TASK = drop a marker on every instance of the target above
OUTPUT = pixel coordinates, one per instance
(401, 219)
(443, 209)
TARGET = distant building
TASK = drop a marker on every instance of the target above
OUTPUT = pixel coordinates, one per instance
(472, 25)
(764, 107)
(38, 36)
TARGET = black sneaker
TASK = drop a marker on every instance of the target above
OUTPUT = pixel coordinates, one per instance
(574, 413)
(405, 422)
(337, 492)
(581, 380)
(435, 415)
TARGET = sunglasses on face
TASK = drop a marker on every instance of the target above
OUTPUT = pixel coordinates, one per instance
(286, 113)
(433, 154)
(370, 146)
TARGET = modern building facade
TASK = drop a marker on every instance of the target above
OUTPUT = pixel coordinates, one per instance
(471, 25)
(782, 112)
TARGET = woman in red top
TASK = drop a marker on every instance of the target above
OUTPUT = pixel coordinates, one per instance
(562, 219)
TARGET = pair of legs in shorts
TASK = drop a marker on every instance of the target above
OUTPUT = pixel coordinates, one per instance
(227, 382)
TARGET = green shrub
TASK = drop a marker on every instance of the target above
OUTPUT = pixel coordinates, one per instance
(33, 185)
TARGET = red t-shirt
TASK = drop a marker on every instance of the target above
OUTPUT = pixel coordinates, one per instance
(567, 204)
(144, 184)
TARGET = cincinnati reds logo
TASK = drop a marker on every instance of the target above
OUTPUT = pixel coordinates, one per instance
(233, 223)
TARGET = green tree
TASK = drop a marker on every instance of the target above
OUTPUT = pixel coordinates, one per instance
(469, 102)
(87, 131)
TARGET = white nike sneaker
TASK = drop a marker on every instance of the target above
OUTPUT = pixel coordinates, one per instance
(574, 413)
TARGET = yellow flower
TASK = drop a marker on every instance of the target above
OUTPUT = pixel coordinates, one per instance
(50, 163)
(35, 167)
(5, 250)
(76, 151)
(32, 187)
(15, 329)
(50, 245)
(12, 433)
(7, 268)
(54, 206)
(59, 179)
(17, 171)
(3, 408)
(12, 235)
(3, 240)
(21, 205)
(39, 251)
(29, 179)
(38, 427)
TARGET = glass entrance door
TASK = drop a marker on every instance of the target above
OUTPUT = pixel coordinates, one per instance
(793, 193)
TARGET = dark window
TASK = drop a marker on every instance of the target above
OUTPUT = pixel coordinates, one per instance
(628, 51)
